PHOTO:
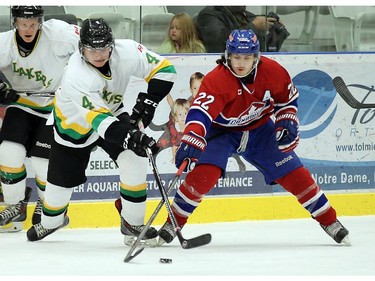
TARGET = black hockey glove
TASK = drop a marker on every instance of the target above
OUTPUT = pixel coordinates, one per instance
(138, 142)
(7, 95)
(191, 147)
(287, 131)
(144, 109)
(124, 118)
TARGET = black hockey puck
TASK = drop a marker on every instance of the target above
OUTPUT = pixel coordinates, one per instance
(163, 260)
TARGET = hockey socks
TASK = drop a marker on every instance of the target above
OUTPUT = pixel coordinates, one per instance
(300, 183)
(197, 183)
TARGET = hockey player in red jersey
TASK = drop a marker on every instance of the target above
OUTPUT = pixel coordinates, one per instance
(233, 110)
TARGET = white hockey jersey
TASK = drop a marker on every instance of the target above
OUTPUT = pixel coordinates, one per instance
(41, 71)
(88, 101)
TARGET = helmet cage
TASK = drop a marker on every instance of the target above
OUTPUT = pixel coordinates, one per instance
(96, 34)
(27, 12)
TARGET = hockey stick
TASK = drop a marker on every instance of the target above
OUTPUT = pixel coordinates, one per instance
(130, 254)
(347, 96)
(36, 94)
(185, 243)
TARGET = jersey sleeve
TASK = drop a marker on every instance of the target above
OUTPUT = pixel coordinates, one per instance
(64, 37)
(156, 70)
(79, 113)
(286, 99)
(207, 105)
(79, 108)
(6, 45)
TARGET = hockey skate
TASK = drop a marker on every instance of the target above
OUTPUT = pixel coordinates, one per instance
(166, 234)
(38, 232)
(131, 232)
(338, 232)
(13, 216)
(37, 212)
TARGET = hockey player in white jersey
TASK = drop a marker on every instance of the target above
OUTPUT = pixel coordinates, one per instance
(32, 59)
(89, 112)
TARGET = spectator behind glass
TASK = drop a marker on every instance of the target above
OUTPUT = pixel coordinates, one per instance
(215, 23)
(182, 37)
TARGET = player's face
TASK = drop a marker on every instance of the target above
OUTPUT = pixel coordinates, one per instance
(27, 28)
(97, 57)
(175, 31)
(195, 87)
(242, 64)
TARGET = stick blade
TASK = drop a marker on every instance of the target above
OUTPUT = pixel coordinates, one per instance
(194, 242)
(338, 82)
(129, 257)
(347, 96)
(344, 92)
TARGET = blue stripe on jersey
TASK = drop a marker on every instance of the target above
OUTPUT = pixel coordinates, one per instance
(197, 116)
(293, 103)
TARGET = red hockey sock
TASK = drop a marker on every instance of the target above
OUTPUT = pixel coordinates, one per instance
(190, 193)
(301, 184)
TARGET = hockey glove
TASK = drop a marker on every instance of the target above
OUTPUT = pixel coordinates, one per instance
(287, 133)
(191, 147)
(138, 142)
(144, 109)
(7, 95)
(124, 117)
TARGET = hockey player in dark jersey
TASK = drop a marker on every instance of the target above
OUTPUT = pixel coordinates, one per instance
(234, 109)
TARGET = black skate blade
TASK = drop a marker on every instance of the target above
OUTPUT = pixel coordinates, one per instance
(130, 257)
(194, 242)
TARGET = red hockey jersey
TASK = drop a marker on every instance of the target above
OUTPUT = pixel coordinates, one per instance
(226, 101)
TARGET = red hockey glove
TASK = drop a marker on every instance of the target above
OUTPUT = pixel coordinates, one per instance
(191, 147)
(287, 132)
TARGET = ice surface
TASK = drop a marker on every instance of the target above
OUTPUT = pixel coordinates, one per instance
(296, 247)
